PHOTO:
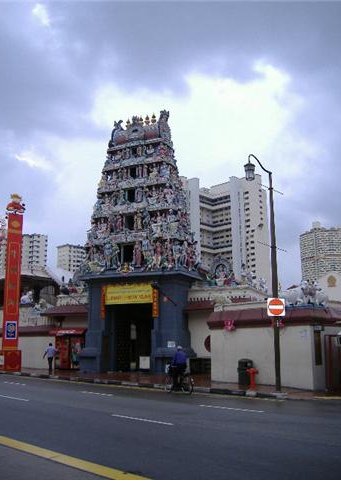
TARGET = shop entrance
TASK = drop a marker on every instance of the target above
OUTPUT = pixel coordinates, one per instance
(333, 362)
(68, 347)
(132, 326)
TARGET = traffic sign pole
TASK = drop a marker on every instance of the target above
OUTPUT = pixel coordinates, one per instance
(276, 309)
(249, 175)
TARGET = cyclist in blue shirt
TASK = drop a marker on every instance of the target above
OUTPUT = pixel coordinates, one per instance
(179, 364)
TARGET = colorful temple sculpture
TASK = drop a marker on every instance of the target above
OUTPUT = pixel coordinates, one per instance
(141, 254)
(140, 220)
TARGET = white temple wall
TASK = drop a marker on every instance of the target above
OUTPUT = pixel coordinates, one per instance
(297, 356)
(198, 328)
(32, 351)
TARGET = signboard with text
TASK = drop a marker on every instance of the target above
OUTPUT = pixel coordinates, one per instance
(129, 294)
(155, 306)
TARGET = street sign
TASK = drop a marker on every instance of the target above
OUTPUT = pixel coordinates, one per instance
(275, 306)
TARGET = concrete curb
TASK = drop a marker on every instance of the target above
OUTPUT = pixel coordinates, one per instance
(199, 389)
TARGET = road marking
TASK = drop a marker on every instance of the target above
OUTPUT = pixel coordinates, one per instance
(142, 419)
(97, 393)
(16, 383)
(231, 409)
(100, 470)
(14, 398)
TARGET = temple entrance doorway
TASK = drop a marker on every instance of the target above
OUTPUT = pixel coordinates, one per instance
(132, 326)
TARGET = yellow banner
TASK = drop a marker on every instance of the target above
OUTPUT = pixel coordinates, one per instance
(129, 294)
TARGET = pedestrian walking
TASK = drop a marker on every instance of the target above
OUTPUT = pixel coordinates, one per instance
(50, 353)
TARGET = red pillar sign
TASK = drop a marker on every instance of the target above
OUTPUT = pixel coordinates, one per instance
(10, 356)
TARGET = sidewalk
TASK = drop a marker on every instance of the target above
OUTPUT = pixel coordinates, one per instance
(202, 383)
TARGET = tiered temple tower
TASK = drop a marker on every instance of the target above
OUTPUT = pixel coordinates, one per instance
(141, 255)
(140, 220)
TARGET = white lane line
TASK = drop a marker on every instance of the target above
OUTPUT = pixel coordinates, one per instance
(16, 383)
(231, 409)
(142, 419)
(15, 398)
(97, 393)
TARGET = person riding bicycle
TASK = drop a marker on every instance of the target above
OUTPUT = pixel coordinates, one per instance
(179, 364)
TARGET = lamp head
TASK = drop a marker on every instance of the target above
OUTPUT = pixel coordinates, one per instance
(249, 171)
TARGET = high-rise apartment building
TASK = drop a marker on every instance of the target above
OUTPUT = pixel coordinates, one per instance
(232, 220)
(34, 252)
(320, 251)
(70, 257)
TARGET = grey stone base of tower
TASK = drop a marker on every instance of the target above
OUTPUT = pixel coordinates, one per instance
(108, 339)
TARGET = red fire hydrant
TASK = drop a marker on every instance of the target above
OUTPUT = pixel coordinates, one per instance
(252, 371)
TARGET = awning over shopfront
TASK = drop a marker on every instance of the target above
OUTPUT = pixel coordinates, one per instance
(76, 331)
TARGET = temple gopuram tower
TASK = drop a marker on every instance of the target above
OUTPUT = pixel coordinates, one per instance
(141, 255)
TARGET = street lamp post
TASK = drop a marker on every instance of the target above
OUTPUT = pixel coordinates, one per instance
(250, 175)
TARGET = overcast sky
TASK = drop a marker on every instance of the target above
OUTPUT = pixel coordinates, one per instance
(237, 77)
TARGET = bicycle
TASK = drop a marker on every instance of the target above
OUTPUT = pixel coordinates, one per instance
(186, 384)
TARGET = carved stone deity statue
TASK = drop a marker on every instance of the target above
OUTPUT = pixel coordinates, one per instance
(117, 128)
(137, 256)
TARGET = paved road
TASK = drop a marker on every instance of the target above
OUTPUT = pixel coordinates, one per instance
(172, 436)
(19, 465)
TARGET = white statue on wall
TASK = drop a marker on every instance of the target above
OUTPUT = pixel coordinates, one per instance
(27, 298)
(318, 296)
(262, 286)
(307, 293)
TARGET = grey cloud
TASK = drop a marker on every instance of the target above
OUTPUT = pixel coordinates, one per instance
(154, 45)
(139, 43)
(155, 41)
(39, 88)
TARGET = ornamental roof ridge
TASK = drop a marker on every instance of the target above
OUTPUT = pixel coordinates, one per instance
(139, 129)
